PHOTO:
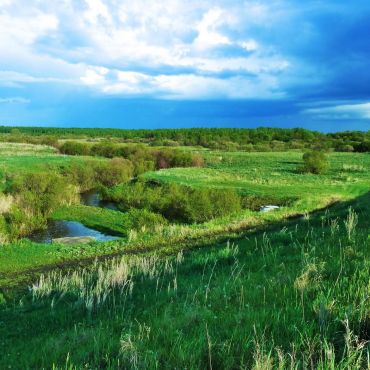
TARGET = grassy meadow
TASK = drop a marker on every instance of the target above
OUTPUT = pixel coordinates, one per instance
(287, 289)
(293, 297)
(277, 175)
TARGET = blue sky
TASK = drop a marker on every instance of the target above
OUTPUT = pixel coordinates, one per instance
(177, 63)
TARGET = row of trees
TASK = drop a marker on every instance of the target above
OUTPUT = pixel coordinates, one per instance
(259, 139)
(142, 157)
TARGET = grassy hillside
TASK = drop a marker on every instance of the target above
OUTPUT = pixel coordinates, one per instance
(292, 296)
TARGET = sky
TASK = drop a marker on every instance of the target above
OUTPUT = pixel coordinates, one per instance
(185, 63)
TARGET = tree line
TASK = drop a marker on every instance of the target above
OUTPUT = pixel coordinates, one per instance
(258, 139)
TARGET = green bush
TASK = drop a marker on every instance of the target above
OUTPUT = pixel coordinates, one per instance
(82, 174)
(175, 202)
(315, 162)
(36, 195)
(75, 148)
(139, 218)
(105, 149)
(116, 171)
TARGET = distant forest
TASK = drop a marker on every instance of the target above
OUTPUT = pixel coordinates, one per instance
(259, 139)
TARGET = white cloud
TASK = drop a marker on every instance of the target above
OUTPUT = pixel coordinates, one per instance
(345, 111)
(97, 9)
(14, 100)
(249, 45)
(208, 34)
(125, 47)
(94, 76)
(16, 31)
(181, 86)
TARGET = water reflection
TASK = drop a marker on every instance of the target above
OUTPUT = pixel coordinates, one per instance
(91, 198)
(67, 229)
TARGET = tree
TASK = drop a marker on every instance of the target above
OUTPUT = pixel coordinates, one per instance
(315, 162)
(363, 147)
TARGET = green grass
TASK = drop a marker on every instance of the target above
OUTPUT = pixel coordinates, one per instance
(252, 173)
(101, 219)
(293, 297)
(15, 158)
(280, 293)
(275, 174)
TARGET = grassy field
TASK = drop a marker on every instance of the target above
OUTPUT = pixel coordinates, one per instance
(101, 219)
(287, 289)
(277, 174)
(272, 174)
(293, 297)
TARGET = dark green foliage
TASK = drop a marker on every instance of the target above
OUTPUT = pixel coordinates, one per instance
(42, 192)
(363, 147)
(259, 139)
(176, 202)
(315, 162)
(105, 149)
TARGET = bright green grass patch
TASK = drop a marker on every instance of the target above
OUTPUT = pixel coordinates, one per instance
(101, 219)
(275, 174)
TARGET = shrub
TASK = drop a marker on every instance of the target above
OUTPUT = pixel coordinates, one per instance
(197, 160)
(142, 166)
(41, 191)
(75, 148)
(315, 162)
(36, 196)
(116, 171)
(82, 174)
(176, 202)
(104, 149)
(224, 201)
(140, 218)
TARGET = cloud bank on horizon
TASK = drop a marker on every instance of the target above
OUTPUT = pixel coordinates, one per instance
(185, 63)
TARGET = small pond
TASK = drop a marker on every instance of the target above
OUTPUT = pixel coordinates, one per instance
(72, 229)
(68, 229)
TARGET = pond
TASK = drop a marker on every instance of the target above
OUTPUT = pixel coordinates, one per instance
(68, 229)
(71, 229)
